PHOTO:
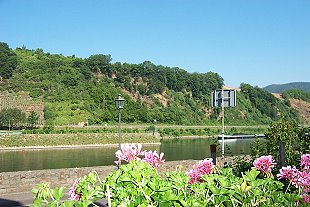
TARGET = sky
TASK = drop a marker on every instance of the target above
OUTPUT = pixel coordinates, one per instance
(260, 42)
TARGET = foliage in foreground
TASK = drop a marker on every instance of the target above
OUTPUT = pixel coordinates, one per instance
(139, 184)
(296, 139)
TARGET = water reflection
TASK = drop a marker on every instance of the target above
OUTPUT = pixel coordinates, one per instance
(24, 160)
(177, 149)
(183, 149)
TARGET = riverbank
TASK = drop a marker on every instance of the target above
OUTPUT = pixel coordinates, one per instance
(102, 135)
(54, 141)
(68, 146)
(191, 137)
(73, 140)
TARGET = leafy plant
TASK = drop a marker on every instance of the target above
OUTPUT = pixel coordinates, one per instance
(139, 184)
(294, 136)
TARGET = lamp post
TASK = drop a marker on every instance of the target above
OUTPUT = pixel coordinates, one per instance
(154, 133)
(10, 124)
(119, 102)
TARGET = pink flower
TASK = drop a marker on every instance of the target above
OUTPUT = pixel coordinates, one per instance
(303, 181)
(194, 175)
(297, 178)
(305, 162)
(202, 168)
(72, 191)
(288, 173)
(153, 158)
(264, 164)
(128, 152)
(131, 152)
(306, 198)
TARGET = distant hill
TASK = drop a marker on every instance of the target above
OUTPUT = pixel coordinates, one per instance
(279, 88)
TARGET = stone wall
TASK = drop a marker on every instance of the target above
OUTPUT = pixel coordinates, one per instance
(22, 101)
(25, 181)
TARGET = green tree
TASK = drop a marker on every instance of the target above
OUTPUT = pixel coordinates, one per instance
(33, 119)
(296, 94)
(12, 117)
(294, 136)
(100, 63)
(87, 74)
(8, 61)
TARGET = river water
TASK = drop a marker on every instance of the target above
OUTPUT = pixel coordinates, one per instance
(177, 149)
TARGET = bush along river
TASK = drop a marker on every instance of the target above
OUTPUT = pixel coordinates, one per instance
(174, 149)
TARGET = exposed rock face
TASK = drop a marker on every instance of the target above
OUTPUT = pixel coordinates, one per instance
(303, 107)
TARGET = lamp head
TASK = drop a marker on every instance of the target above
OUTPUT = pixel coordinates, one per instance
(119, 102)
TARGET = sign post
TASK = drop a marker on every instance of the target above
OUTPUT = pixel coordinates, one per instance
(223, 98)
(223, 129)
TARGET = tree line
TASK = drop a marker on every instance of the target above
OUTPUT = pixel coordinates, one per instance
(15, 118)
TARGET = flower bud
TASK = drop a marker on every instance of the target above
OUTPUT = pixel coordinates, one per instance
(244, 187)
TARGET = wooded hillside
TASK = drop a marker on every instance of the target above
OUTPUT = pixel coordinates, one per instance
(77, 90)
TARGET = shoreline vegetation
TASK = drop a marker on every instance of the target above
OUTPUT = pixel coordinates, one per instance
(108, 136)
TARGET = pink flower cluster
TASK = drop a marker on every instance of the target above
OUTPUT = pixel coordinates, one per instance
(72, 191)
(296, 177)
(264, 164)
(153, 158)
(289, 173)
(128, 152)
(300, 179)
(202, 168)
(131, 152)
(305, 162)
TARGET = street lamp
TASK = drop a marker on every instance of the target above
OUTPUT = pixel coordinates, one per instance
(154, 132)
(10, 124)
(119, 102)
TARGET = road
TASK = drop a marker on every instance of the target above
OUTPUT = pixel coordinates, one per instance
(16, 199)
(26, 199)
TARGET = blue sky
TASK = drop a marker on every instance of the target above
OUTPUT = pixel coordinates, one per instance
(257, 42)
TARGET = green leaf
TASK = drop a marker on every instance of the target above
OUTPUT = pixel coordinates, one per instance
(58, 193)
(251, 175)
(223, 181)
(164, 204)
(68, 204)
(214, 189)
(37, 203)
(226, 171)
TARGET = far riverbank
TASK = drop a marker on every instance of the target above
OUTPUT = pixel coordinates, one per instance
(73, 140)
(68, 146)
(80, 137)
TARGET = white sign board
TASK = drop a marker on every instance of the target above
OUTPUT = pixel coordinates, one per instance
(229, 98)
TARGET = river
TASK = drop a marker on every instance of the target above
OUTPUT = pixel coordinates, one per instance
(177, 149)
